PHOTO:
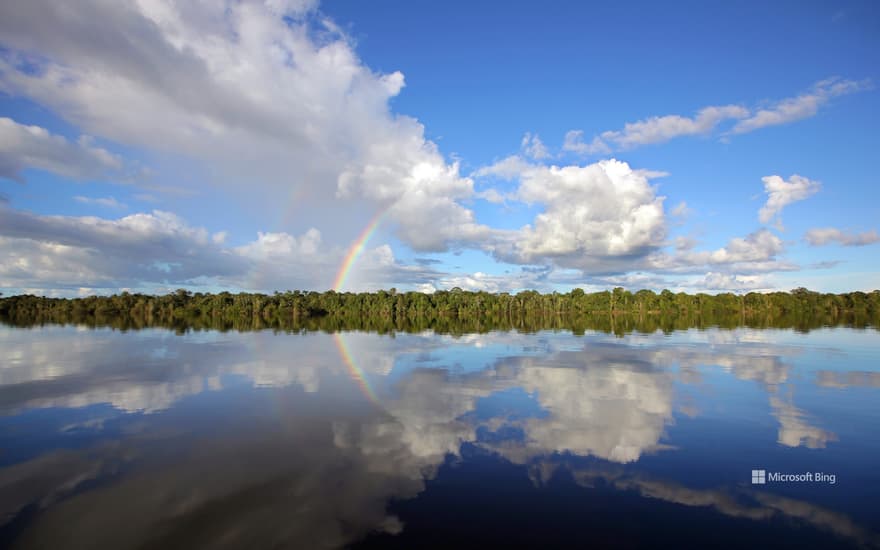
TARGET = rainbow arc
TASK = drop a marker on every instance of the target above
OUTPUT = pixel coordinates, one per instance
(357, 248)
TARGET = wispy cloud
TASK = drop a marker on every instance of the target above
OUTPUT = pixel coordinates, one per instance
(533, 147)
(106, 202)
(799, 107)
(706, 121)
(827, 235)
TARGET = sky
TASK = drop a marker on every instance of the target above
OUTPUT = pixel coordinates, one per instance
(289, 144)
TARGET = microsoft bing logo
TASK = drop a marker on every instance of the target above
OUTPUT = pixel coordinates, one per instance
(759, 477)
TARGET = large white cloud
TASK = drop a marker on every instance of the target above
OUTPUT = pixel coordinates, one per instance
(593, 216)
(262, 94)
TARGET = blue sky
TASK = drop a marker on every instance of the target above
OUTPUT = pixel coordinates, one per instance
(246, 145)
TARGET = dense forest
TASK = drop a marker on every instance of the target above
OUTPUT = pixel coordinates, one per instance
(453, 311)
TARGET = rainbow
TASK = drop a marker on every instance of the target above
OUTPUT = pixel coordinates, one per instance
(356, 250)
(356, 373)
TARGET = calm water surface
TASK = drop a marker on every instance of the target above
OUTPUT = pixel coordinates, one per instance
(150, 439)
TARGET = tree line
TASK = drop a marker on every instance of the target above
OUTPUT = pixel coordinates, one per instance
(452, 311)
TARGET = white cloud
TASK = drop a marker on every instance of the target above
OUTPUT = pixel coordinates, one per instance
(592, 215)
(660, 129)
(683, 243)
(664, 128)
(261, 101)
(71, 252)
(681, 210)
(275, 107)
(507, 168)
(144, 250)
(757, 252)
(758, 246)
(799, 107)
(270, 246)
(24, 147)
(606, 219)
(574, 142)
(732, 282)
(781, 193)
(508, 282)
(106, 202)
(533, 147)
(633, 280)
(491, 195)
(827, 235)
(159, 251)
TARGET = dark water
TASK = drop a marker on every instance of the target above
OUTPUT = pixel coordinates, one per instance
(149, 439)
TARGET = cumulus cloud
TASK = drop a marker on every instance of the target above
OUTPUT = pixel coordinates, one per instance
(606, 219)
(593, 214)
(732, 282)
(143, 250)
(755, 248)
(67, 254)
(799, 107)
(756, 252)
(827, 235)
(781, 193)
(23, 146)
(758, 246)
(637, 279)
(525, 279)
(261, 93)
(88, 251)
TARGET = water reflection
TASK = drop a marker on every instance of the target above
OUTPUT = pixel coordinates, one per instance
(739, 503)
(256, 439)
